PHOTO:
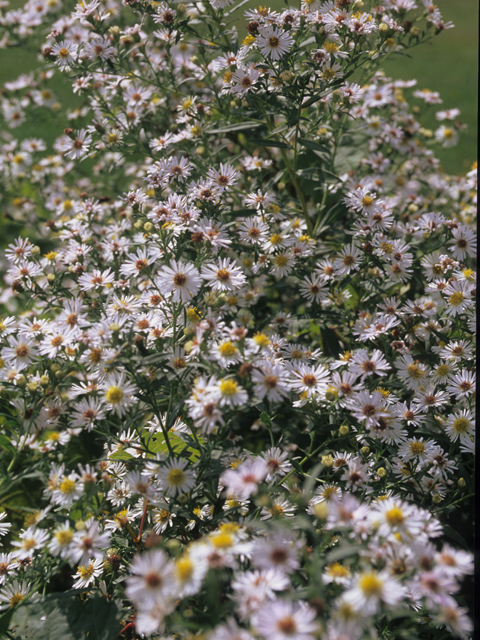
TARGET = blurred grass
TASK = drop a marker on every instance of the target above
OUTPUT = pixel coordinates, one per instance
(448, 64)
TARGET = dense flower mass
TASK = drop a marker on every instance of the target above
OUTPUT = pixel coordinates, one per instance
(237, 332)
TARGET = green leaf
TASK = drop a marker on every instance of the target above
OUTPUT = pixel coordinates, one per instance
(265, 418)
(64, 616)
(454, 535)
(236, 127)
(343, 551)
(315, 146)
(5, 621)
(269, 142)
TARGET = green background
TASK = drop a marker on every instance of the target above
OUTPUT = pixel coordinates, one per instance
(447, 64)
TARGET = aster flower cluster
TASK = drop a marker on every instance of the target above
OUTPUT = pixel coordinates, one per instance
(237, 338)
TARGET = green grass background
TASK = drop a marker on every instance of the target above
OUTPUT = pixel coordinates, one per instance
(448, 64)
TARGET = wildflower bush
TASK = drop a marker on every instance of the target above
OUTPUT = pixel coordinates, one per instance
(237, 385)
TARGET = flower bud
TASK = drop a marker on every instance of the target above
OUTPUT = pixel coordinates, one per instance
(22, 382)
(287, 76)
(148, 227)
(138, 224)
(381, 472)
(343, 430)
(415, 31)
(365, 451)
(44, 380)
(436, 499)
(32, 386)
(321, 510)
(51, 277)
(327, 461)
(461, 483)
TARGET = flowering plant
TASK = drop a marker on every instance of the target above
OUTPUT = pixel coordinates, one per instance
(237, 344)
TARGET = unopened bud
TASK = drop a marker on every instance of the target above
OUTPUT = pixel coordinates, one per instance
(32, 386)
(148, 227)
(287, 76)
(320, 510)
(44, 380)
(343, 430)
(415, 31)
(200, 151)
(381, 472)
(436, 499)
(327, 461)
(138, 224)
(461, 483)
(51, 277)
(22, 382)
(365, 451)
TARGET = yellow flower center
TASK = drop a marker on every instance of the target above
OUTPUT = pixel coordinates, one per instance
(370, 584)
(415, 371)
(227, 349)
(64, 537)
(15, 599)
(114, 395)
(184, 569)
(228, 387)
(456, 298)
(337, 570)
(67, 486)
(222, 540)
(86, 572)
(417, 448)
(394, 516)
(461, 425)
(175, 477)
(442, 370)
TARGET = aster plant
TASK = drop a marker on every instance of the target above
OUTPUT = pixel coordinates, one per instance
(237, 350)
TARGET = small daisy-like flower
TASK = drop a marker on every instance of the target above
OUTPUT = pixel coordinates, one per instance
(223, 276)
(180, 280)
(273, 42)
(310, 379)
(176, 478)
(371, 588)
(4, 526)
(61, 540)
(348, 260)
(77, 147)
(13, 594)
(462, 384)
(152, 579)
(66, 54)
(464, 243)
(228, 392)
(416, 448)
(68, 490)
(270, 380)
(86, 573)
(118, 393)
(313, 288)
(461, 426)
(30, 540)
(286, 620)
